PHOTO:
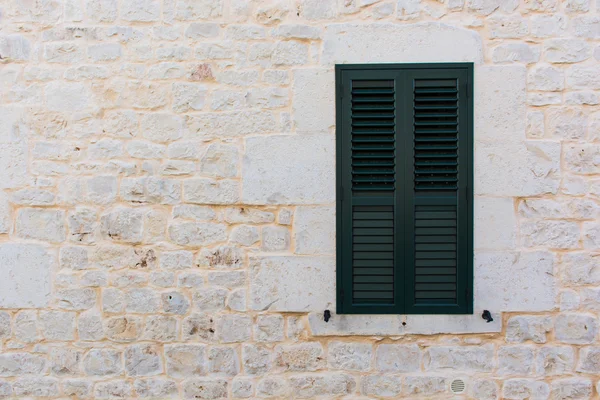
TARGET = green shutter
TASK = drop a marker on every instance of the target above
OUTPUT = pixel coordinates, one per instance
(368, 236)
(404, 143)
(439, 253)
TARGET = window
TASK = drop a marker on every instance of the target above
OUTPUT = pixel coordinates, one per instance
(405, 188)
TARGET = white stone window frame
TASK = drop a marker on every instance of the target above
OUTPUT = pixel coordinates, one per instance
(508, 277)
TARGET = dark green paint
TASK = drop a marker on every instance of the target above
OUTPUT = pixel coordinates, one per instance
(404, 181)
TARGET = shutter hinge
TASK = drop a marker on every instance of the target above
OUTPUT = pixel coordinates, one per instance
(468, 294)
(342, 295)
(342, 90)
(469, 89)
(341, 194)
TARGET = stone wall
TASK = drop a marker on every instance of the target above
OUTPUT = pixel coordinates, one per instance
(167, 199)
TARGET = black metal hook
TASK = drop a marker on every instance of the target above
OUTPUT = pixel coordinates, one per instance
(327, 315)
(487, 316)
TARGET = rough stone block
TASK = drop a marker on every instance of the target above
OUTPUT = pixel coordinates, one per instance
(24, 276)
(380, 43)
(281, 283)
(42, 224)
(305, 172)
(515, 281)
(313, 100)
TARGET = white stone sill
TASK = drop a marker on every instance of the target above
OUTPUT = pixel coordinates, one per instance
(391, 325)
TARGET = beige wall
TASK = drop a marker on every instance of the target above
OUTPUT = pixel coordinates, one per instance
(167, 199)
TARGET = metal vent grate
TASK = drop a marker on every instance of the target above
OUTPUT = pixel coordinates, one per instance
(436, 134)
(458, 386)
(373, 127)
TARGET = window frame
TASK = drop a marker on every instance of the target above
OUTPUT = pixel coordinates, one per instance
(468, 67)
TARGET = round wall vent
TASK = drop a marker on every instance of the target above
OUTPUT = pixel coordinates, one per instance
(458, 386)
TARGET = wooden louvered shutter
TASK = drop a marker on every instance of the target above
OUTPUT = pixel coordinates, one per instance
(404, 175)
(367, 178)
(438, 227)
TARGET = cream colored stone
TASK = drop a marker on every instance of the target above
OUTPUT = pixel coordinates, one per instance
(352, 43)
(291, 283)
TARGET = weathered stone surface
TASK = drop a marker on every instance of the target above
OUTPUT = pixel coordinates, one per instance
(195, 234)
(76, 387)
(5, 328)
(516, 52)
(581, 268)
(571, 388)
(112, 389)
(24, 276)
(515, 360)
(275, 238)
(123, 225)
(161, 128)
(123, 329)
(555, 360)
(41, 224)
(312, 93)
(160, 328)
(18, 364)
(381, 385)
(566, 50)
(300, 357)
(156, 388)
(576, 328)
(425, 385)
(234, 328)
(220, 160)
(269, 328)
(185, 360)
(523, 328)
(525, 388)
(57, 325)
(223, 361)
(351, 43)
(291, 283)
(501, 276)
(199, 327)
(245, 235)
(221, 257)
(550, 234)
(329, 385)
(76, 299)
(398, 358)
(545, 77)
(501, 161)
(350, 356)
(308, 157)
(103, 362)
(210, 299)
(484, 390)
(209, 191)
(256, 359)
(38, 387)
(205, 388)
(175, 303)
(143, 360)
(89, 326)
(461, 358)
(314, 229)
(495, 223)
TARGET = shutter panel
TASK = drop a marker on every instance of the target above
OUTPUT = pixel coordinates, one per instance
(404, 176)
(367, 215)
(439, 252)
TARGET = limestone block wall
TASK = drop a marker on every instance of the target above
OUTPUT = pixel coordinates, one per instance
(167, 200)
